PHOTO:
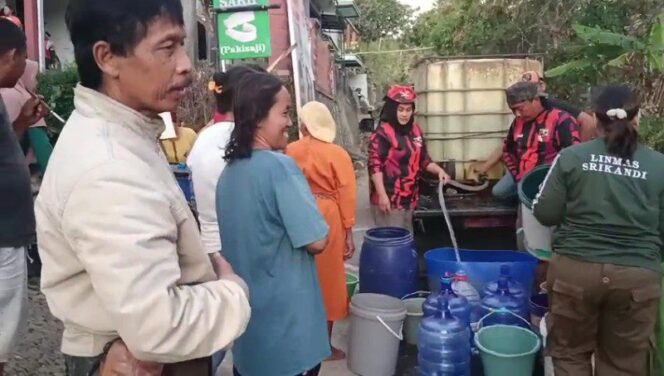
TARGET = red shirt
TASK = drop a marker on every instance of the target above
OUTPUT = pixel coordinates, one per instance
(532, 143)
(219, 117)
(400, 157)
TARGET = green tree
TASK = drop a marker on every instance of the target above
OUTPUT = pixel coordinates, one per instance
(383, 19)
(547, 27)
(385, 67)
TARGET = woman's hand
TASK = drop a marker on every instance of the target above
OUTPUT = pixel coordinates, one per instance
(434, 169)
(443, 176)
(384, 203)
(350, 245)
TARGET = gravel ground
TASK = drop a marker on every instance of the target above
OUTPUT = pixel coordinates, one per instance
(38, 351)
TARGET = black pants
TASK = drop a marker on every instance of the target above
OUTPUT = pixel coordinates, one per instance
(312, 372)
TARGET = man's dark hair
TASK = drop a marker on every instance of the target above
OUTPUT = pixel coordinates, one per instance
(121, 23)
(11, 37)
(253, 100)
(229, 81)
(522, 92)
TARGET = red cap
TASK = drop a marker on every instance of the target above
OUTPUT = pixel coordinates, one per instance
(531, 76)
(402, 94)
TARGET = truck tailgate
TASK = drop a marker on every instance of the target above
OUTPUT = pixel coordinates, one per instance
(474, 210)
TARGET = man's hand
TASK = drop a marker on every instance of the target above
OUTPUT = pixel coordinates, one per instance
(33, 110)
(222, 267)
(483, 168)
(225, 271)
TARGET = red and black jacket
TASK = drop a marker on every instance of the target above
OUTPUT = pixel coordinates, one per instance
(531, 143)
(400, 157)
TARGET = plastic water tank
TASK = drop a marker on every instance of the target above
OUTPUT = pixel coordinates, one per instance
(388, 263)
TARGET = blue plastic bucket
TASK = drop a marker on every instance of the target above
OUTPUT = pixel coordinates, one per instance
(482, 267)
(183, 176)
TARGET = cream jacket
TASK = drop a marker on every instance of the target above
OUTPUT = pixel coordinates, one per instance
(121, 251)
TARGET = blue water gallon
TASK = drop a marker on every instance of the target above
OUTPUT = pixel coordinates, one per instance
(443, 344)
(457, 305)
(482, 267)
(503, 308)
(516, 288)
(183, 176)
(388, 262)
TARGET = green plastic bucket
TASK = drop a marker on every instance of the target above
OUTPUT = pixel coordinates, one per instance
(507, 350)
(414, 314)
(537, 238)
(351, 283)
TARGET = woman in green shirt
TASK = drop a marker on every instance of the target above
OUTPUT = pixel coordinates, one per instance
(607, 199)
(270, 230)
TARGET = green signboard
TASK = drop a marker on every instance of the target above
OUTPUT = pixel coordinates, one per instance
(245, 34)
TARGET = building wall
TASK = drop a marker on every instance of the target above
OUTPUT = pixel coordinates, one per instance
(325, 70)
(54, 23)
(351, 37)
(280, 38)
(54, 19)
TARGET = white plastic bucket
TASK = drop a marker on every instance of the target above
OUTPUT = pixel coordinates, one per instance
(376, 328)
(537, 237)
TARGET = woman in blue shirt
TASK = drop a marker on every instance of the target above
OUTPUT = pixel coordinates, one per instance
(270, 231)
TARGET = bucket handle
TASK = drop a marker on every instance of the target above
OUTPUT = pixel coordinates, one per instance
(398, 336)
(501, 310)
(416, 293)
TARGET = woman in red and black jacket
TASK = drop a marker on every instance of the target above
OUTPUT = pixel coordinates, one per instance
(397, 155)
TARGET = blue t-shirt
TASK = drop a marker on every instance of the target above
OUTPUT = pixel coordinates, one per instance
(267, 215)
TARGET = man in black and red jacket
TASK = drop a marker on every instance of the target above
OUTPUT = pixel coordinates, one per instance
(537, 134)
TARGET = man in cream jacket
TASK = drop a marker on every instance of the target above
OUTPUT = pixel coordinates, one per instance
(121, 251)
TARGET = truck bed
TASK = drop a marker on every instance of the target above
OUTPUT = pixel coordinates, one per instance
(474, 210)
(465, 205)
